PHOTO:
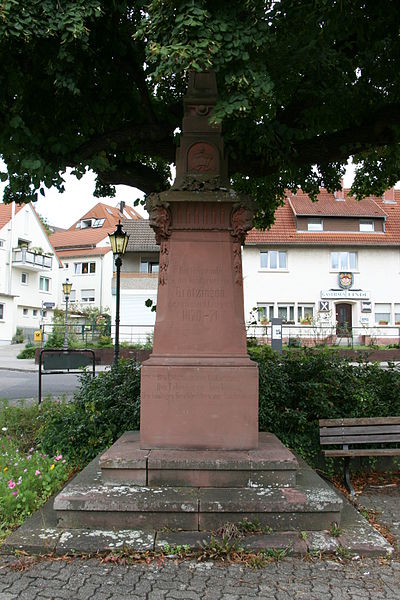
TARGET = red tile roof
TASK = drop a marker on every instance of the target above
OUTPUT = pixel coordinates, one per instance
(329, 206)
(283, 231)
(79, 238)
(5, 213)
(64, 254)
(89, 237)
(111, 215)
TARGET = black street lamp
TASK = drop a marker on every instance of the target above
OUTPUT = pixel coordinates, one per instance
(67, 292)
(119, 241)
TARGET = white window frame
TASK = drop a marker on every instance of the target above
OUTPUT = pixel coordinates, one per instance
(366, 226)
(2, 311)
(266, 257)
(78, 268)
(303, 310)
(341, 266)
(265, 311)
(148, 265)
(87, 297)
(26, 282)
(383, 315)
(42, 285)
(25, 312)
(315, 224)
(290, 315)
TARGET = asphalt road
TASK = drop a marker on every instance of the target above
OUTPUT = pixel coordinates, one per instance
(24, 384)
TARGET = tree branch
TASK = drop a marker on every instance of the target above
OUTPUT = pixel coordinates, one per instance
(136, 175)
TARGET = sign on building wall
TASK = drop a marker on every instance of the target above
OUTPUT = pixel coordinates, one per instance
(349, 294)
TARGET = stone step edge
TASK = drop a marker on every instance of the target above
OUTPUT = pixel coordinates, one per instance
(189, 500)
(83, 542)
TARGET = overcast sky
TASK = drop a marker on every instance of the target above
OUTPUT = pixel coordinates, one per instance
(64, 209)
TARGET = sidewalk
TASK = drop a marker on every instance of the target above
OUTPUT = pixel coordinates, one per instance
(308, 578)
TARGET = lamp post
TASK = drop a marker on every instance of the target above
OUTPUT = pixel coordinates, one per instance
(67, 292)
(119, 241)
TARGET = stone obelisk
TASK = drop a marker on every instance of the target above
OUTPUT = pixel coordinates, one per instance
(199, 388)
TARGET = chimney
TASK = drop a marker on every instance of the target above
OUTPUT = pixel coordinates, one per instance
(389, 196)
(121, 206)
(339, 194)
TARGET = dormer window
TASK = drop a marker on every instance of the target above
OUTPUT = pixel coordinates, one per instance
(315, 225)
(366, 225)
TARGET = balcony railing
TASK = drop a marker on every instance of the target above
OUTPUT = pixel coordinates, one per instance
(29, 258)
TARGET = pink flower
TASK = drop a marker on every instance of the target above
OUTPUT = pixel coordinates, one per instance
(15, 493)
(11, 484)
(63, 461)
(58, 457)
(29, 457)
(37, 472)
(25, 470)
(31, 449)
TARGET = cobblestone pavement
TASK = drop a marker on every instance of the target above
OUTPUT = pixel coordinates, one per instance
(291, 578)
(284, 580)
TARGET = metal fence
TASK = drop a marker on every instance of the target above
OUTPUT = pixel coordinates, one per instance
(309, 335)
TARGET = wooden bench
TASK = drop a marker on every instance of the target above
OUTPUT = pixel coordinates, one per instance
(367, 432)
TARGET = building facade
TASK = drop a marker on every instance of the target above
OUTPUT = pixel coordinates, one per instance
(328, 269)
(29, 272)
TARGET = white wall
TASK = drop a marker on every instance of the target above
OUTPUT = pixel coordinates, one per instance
(309, 272)
(28, 297)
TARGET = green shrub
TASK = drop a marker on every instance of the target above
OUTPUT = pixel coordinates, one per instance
(28, 351)
(301, 387)
(18, 337)
(103, 408)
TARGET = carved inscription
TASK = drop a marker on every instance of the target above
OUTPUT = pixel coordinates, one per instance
(187, 387)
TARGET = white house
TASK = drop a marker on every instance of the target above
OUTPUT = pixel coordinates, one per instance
(86, 256)
(327, 268)
(139, 280)
(28, 272)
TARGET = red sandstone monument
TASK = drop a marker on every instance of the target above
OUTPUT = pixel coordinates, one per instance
(198, 461)
(199, 388)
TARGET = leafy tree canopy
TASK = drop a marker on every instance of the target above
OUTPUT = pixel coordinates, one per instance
(99, 84)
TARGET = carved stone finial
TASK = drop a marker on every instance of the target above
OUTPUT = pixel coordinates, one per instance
(200, 158)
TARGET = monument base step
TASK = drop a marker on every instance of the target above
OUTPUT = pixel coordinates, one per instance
(87, 502)
(271, 464)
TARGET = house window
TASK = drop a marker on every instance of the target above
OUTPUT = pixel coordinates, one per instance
(397, 314)
(1, 243)
(34, 312)
(147, 266)
(83, 268)
(25, 312)
(87, 295)
(44, 313)
(24, 278)
(98, 222)
(382, 313)
(366, 225)
(265, 312)
(1, 311)
(44, 284)
(315, 225)
(286, 313)
(343, 261)
(66, 265)
(305, 312)
(72, 296)
(273, 259)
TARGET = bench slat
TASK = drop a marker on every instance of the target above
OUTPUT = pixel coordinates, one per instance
(359, 439)
(361, 421)
(329, 431)
(364, 452)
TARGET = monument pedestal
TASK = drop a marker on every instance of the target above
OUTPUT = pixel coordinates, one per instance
(198, 490)
(199, 388)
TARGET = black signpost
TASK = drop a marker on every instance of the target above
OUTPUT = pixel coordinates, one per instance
(276, 335)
